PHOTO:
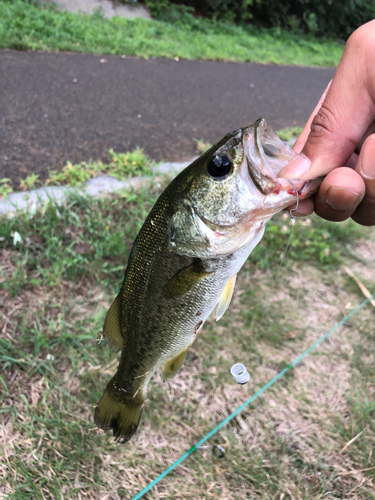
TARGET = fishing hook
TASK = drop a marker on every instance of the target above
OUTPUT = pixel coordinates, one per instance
(297, 205)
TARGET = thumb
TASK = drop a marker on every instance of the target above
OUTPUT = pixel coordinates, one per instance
(344, 113)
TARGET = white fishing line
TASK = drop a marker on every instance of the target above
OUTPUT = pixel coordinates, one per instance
(293, 221)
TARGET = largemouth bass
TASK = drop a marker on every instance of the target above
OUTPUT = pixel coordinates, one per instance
(184, 262)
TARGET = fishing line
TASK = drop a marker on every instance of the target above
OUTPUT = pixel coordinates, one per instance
(250, 400)
(293, 220)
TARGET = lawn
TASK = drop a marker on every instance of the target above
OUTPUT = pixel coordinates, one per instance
(310, 436)
(26, 26)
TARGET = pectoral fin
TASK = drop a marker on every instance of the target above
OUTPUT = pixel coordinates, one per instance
(185, 280)
(173, 365)
(111, 329)
(225, 297)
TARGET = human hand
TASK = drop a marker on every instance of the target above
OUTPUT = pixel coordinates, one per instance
(338, 141)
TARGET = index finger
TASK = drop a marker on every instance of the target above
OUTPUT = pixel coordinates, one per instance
(300, 142)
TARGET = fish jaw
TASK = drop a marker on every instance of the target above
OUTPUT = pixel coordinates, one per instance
(226, 240)
(265, 154)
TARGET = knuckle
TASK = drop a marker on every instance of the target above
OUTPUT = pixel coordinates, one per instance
(323, 123)
(363, 38)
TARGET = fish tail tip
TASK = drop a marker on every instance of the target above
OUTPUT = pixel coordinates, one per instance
(122, 416)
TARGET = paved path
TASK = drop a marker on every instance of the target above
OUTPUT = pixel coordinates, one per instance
(61, 106)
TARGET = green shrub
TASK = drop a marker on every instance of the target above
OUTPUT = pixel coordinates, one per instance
(329, 18)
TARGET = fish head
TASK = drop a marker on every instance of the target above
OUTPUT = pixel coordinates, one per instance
(232, 190)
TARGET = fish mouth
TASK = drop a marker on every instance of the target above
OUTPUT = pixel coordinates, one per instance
(265, 155)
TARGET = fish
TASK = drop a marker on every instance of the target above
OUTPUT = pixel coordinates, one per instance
(184, 262)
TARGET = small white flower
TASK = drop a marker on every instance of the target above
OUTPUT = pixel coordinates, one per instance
(50, 357)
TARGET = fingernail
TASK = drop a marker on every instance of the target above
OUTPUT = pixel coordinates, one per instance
(295, 168)
(367, 165)
(342, 199)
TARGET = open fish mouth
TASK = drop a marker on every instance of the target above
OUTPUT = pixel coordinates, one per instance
(266, 154)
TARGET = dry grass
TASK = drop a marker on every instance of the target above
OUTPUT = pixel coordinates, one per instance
(311, 436)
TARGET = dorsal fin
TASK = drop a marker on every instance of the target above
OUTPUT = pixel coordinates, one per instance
(111, 329)
(225, 297)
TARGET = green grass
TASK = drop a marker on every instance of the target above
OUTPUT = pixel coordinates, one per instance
(121, 166)
(58, 282)
(5, 187)
(24, 26)
(289, 134)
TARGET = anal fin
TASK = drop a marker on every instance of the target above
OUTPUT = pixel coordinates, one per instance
(172, 366)
(111, 329)
(225, 297)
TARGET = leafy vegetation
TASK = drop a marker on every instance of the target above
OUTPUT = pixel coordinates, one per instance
(5, 187)
(289, 134)
(26, 26)
(29, 182)
(59, 271)
(312, 240)
(121, 166)
(321, 17)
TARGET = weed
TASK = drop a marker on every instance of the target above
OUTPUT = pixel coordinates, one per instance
(73, 175)
(57, 284)
(289, 134)
(121, 165)
(128, 164)
(313, 240)
(29, 182)
(5, 187)
(202, 145)
(83, 237)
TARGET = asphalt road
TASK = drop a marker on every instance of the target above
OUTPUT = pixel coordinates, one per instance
(61, 106)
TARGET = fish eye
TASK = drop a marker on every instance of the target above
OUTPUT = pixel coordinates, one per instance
(219, 167)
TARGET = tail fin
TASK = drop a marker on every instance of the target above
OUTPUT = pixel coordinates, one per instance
(119, 412)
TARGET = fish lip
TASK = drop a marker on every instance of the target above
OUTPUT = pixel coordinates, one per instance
(261, 173)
